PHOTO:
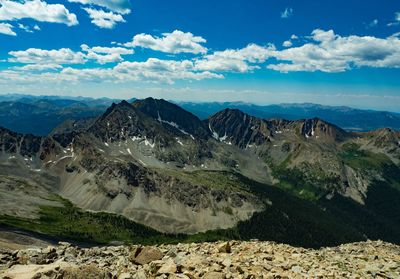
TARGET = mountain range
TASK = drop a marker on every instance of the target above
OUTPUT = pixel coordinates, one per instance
(146, 170)
(39, 115)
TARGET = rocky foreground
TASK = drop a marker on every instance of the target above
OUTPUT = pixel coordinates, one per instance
(371, 259)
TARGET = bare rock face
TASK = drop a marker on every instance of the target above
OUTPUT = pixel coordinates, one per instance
(371, 259)
(146, 255)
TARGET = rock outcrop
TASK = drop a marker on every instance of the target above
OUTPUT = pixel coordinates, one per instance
(371, 259)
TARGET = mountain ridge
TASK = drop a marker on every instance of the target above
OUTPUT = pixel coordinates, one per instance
(235, 173)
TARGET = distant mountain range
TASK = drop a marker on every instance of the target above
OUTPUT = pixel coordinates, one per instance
(149, 170)
(345, 117)
(39, 115)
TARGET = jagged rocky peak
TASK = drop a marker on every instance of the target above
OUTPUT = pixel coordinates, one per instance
(384, 137)
(26, 145)
(238, 128)
(173, 117)
(70, 126)
(119, 122)
(320, 129)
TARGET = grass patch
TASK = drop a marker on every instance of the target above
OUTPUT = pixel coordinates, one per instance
(70, 222)
(357, 158)
(211, 179)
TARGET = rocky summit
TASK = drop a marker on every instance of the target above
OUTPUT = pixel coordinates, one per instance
(235, 259)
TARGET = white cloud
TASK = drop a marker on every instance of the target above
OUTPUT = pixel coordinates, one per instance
(37, 10)
(294, 37)
(7, 29)
(38, 67)
(396, 20)
(288, 12)
(36, 27)
(65, 56)
(329, 52)
(152, 70)
(40, 56)
(104, 19)
(118, 6)
(105, 55)
(163, 70)
(287, 43)
(108, 50)
(26, 28)
(235, 60)
(175, 42)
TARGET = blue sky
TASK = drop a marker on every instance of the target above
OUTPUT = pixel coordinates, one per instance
(328, 52)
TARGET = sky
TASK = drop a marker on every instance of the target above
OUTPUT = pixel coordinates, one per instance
(260, 51)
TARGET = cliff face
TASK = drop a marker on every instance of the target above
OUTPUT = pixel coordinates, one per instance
(206, 260)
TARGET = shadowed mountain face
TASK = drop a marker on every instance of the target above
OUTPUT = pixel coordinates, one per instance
(306, 182)
(172, 116)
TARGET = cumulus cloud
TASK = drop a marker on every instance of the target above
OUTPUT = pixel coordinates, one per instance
(104, 19)
(37, 10)
(7, 29)
(287, 43)
(288, 12)
(117, 6)
(38, 67)
(329, 52)
(175, 42)
(65, 56)
(152, 70)
(323, 51)
(105, 55)
(396, 20)
(162, 70)
(41, 56)
(235, 60)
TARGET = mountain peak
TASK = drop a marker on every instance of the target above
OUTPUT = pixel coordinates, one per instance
(173, 117)
(236, 127)
(118, 122)
(318, 128)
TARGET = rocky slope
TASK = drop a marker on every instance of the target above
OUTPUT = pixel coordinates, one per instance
(158, 165)
(207, 260)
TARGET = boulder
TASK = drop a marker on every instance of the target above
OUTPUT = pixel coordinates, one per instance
(169, 267)
(224, 247)
(146, 255)
(214, 275)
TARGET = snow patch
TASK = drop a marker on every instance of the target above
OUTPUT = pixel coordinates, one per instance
(135, 138)
(223, 138)
(173, 124)
(178, 141)
(148, 143)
